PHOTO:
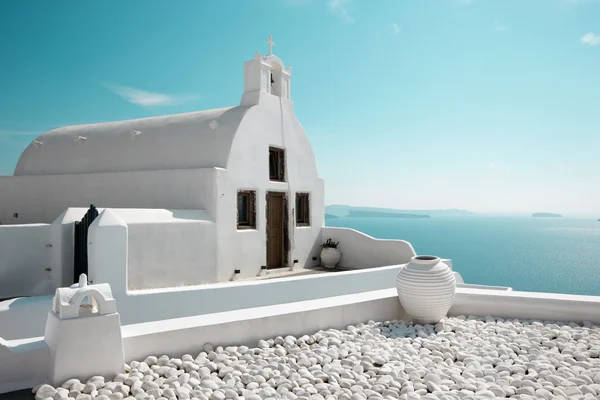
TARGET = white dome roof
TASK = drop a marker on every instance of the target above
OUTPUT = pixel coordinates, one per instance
(192, 140)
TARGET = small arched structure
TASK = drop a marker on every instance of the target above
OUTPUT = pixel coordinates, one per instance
(68, 302)
(72, 335)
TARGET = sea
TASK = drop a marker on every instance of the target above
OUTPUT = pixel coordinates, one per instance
(556, 255)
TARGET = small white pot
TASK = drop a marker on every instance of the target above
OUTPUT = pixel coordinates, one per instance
(426, 288)
(330, 257)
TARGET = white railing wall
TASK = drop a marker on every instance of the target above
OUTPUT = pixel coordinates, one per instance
(359, 250)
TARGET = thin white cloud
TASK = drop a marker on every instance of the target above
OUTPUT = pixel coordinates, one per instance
(578, 167)
(591, 39)
(395, 28)
(148, 99)
(339, 8)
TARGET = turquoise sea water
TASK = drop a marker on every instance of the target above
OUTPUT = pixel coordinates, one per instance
(558, 255)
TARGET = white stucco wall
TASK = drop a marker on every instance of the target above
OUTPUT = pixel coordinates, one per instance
(170, 251)
(62, 234)
(359, 250)
(24, 258)
(21, 317)
(180, 336)
(23, 363)
(42, 198)
(270, 123)
(245, 327)
(151, 248)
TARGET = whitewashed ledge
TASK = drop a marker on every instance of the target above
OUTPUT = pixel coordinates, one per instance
(183, 335)
(526, 305)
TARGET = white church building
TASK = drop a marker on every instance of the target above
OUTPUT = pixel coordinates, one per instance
(205, 195)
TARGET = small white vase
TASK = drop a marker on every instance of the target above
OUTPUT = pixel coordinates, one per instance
(330, 257)
(426, 288)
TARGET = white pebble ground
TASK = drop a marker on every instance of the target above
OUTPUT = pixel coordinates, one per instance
(459, 358)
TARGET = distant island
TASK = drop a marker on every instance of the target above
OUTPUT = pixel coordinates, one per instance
(330, 216)
(545, 214)
(382, 214)
(344, 211)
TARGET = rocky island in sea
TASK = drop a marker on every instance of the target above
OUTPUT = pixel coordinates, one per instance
(343, 211)
(545, 214)
(383, 214)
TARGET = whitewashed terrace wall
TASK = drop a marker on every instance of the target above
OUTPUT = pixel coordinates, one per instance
(160, 304)
(247, 326)
(23, 363)
(171, 250)
(187, 335)
(24, 259)
(165, 248)
(24, 317)
(152, 305)
(363, 251)
(526, 305)
(179, 336)
(35, 259)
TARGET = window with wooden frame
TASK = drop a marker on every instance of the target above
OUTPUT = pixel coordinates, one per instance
(302, 209)
(276, 164)
(246, 209)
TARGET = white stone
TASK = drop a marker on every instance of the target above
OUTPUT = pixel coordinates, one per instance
(380, 361)
(44, 391)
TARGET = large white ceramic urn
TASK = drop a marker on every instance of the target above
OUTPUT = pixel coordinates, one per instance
(426, 288)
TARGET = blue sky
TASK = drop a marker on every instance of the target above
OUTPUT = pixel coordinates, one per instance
(486, 105)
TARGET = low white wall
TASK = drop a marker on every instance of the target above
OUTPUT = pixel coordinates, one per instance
(363, 251)
(21, 318)
(526, 305)
(170, 248)
(24, 317)
(108, 231)
(158, 304)
(245, 327)
(23, 363)
(24, 259)
(62, 233)
(162, 248)
(154, 305)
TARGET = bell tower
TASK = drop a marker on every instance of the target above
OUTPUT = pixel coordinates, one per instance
(266, 76)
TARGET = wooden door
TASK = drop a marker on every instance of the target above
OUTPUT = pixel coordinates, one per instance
(275, 229)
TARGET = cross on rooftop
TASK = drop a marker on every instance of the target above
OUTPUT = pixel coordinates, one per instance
(271, 43)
